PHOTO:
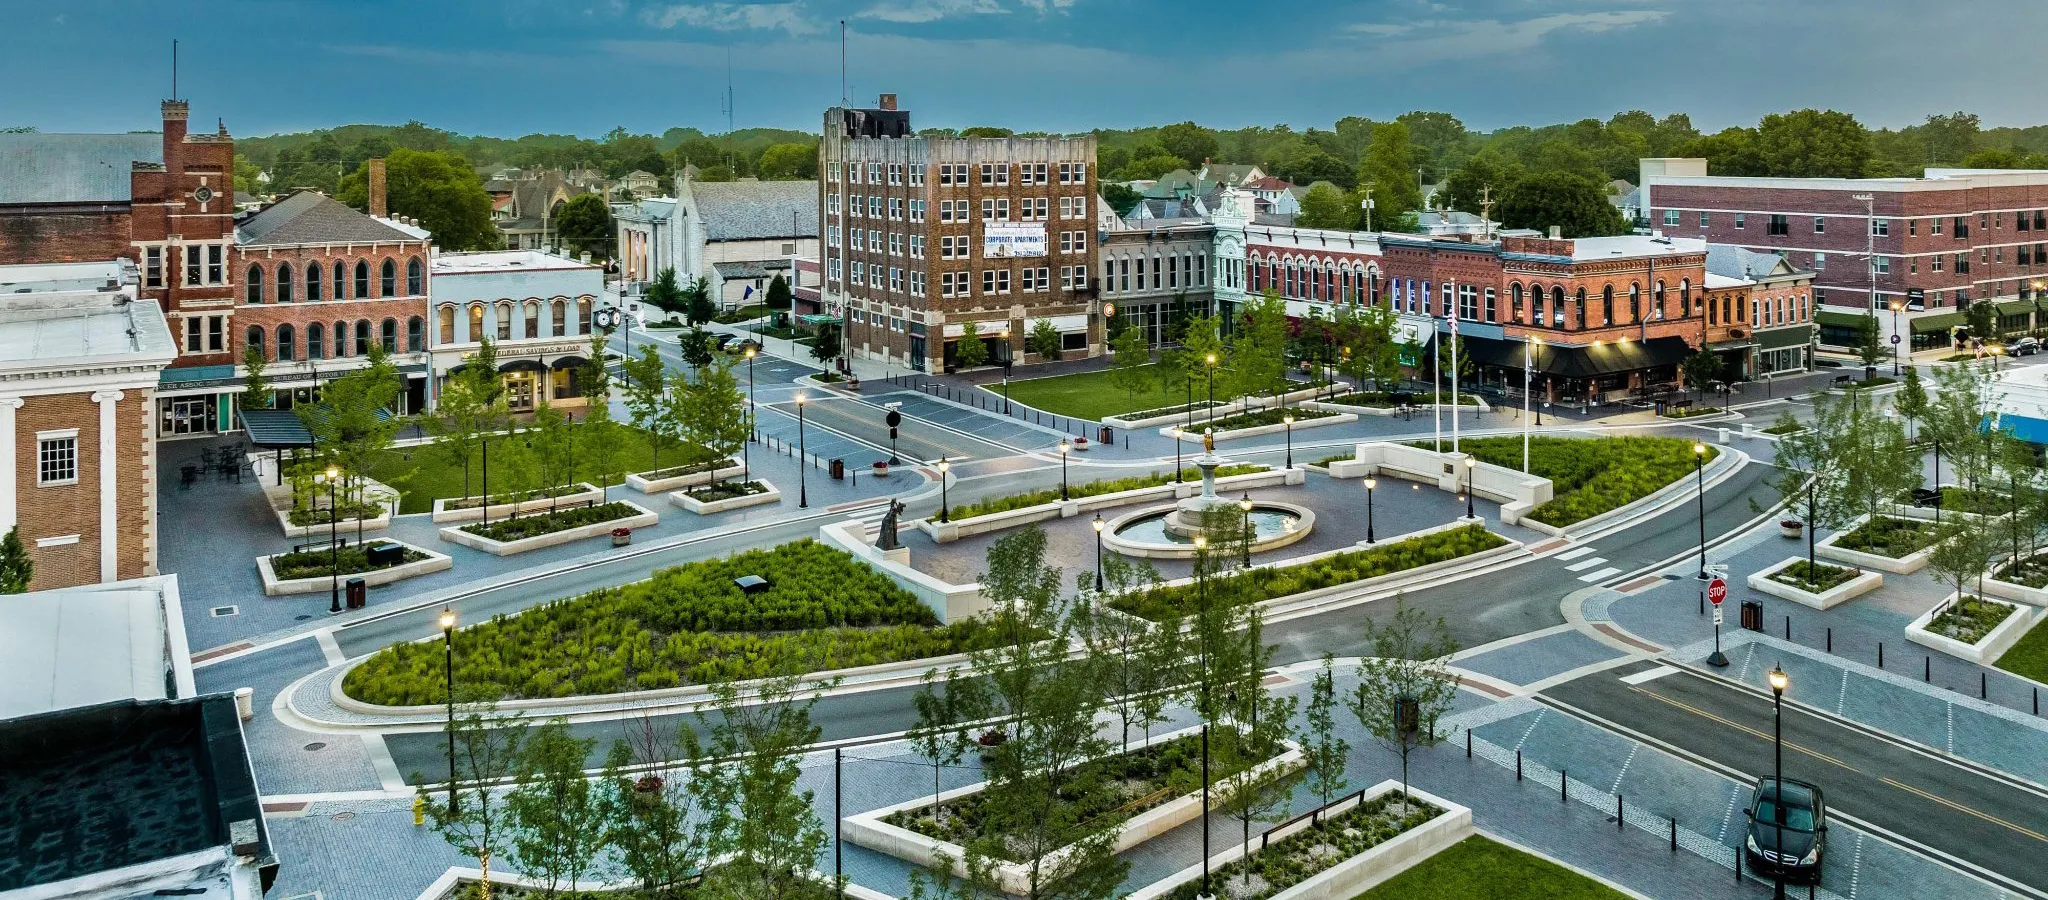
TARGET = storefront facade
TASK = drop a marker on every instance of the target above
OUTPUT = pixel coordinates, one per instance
(534, 308)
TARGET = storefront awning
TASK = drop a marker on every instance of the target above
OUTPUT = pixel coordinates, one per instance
(523, 365)
(1938, 322)
(280, 428)
(1606, 358)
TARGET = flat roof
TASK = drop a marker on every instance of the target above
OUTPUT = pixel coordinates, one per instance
(498, 261)
(93, 644)
(1631, 245)
(53, 315)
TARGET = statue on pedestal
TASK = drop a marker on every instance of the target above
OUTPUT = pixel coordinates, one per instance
(1209, 441)
(888, 539)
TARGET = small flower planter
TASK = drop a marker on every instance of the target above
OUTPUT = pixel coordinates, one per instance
(880, 469)
(622, 536)
(853, 384)
(1792, 528)
(1080, 443)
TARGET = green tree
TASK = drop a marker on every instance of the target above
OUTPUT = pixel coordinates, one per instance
(585, 224)
(1961, 553)
(1389, 170)
(664, 294)
(487, 752)
(1119, 196)
(1731, 151)
(558, 818)
(947, 709)
(714, 414)
(647, 391)
(1258, 349)
(1324, 751)
(1324, 206)
(969, 351)
(1982, 319)
(1131, 357)
(1912, 399)
(247, 175)
(17, 568)
(826, 346)
(789, 162)
(1134, 657)
(659, 830)
(1810, 143)
(471, 406)
(698, 305)
(1963, 395)
(1486, 174)
(256, 392)
(1189, 141)
(438, 189)
(1405, 685)
(1306, 163)
(1439, 139)
(1251, 794)
(599, 434)
(1044, 340)
(1701, 369)
(1151, 167)
(779, 297)
(353, 422)
(1576, 204)
(1850, 462)
(552, 442)
(1869, 344)
(763, 826)
(695, 347)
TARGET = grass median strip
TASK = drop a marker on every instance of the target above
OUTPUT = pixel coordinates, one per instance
(1255, 585)
(1480, 868)
(1590, 476)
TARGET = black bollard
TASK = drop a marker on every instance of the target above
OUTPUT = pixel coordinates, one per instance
(1468, 743)
(1927, 669)
(1518, 765)
(1880, 654)
(1983, 686)
(1831, 639)
(1564, 787)
(1788, 628)
(1617, 813)
(1674, 834)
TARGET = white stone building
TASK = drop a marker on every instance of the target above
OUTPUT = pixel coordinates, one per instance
(736, 234)
(535, 307)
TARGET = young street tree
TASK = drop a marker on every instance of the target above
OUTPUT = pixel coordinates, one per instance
(487, 751)
(968, 350)
(1912, 400)
(472, 406)
(1128, 650)
(1324, 750)
(1406, 684)
(1702, 368)
(1961, 552)
(256, 393)
(17, 568)
(825, 347)
(1128, 365)
(946, 710)
(1044, 340)
(763, 826)
(1955, 418)
(664, 293)
(779, 295)
(1258, 349)
(647, 392)
(559, 818)
(714, 413)
(353, 421)
(599, 433)
(1850, 462)
(1250, 795)
(1869, 347)
(552, 449)
(659, 830)
(695, 347)
(698, 305)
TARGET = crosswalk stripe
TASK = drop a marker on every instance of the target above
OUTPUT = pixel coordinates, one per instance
(1584, 564)
(1602, 575)
(1575, 553)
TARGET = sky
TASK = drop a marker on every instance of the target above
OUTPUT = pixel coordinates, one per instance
(513, 67)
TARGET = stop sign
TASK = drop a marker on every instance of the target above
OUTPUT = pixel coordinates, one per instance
(1717, 591)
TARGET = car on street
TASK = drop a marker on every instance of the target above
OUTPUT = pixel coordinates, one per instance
(740, 347)
(2026, 346)
(1794, 846)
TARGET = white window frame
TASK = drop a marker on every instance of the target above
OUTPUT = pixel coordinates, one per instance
(44, 440)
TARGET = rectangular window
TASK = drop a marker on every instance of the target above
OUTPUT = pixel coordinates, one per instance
(1934, 263)
(916, 176)
(1703, 220)
(56, 458)
(917, 246)
(216, 338)
(1934, 227)
(195, 331)
(1080, 241)
(1880, 227)
(874, 207)
(988, 175)
(190, 253)
(1881, 265)
(860, 272)
(1671, 218)
(1003, 281)
(917, 210)
(916, 277)
(1003, 209)
(1738, 220)
(1962, 226)
(1820, 225)
(831, 235)
(874, 173)
(875, 240)
(1912, 227)
(1820, 262)
(988, 209)
(153, 267)
(895, 279)
(1778, 224)
(855, 205)
(1962, 264)
(895, 244)
(896, 209)
(895, 173)
(945, 284)
(832, 204)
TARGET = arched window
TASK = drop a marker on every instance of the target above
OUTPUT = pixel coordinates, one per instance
(445, 322)
(504, 320)
(316, 340)
(1557, 306)
(389, 329)
(1685, 297)
(362, 279)
(415, 277)
(583, 316)
(1607, 305)
(312, 282)
(340, 337)
(363, 337)
(253, 339)
(476, 324)
(287, 343)
(560, 308)
(415, 334)
(1659, 298)
(1581, 296)
(255, 285)
(1515, 302)
(387, 283)
(1491, 313)
(284, 283)
(532, 319)
(1536, 316)
(340, 282)
(1635, 303)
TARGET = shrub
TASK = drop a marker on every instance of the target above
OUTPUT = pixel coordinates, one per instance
(1888, 536)
(1385, 400)
(1969, 619)
(1307, 853)
(1590, 476)
(726, 490)
(1259, 417)
(560, 490)
(1254, 585)
(1088, 489)
(318, 515)
(541, 523)
(686, 625)
(316, 563)
(1815, 579)
(691, 469)
(2031, 571)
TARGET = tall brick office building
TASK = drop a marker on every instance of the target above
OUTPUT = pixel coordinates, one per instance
(926, 234)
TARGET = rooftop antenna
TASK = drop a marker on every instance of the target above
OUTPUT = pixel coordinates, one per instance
(842, 63)
(728, 104)
(174, 68)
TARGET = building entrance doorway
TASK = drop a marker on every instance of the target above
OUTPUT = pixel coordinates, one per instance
(188, 415)
(519, 387)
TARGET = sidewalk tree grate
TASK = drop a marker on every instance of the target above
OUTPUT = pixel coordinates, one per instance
(220, 611)
(317, 745)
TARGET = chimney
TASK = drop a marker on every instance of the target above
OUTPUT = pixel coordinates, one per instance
(887, 102)
(176, 112)
(377, 201)
(1556, 232)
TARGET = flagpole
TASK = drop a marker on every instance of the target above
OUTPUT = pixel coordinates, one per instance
(1453, 300)
(1436, 376)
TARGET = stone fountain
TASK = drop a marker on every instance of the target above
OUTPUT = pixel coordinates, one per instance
(1186, 518)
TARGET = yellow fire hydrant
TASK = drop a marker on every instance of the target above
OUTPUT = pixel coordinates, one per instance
(419, 811)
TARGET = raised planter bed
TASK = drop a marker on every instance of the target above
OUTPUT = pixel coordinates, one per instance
(1171, 415)
(2001, 583)
(1300, 842)
(661, 481)
(1845, 585)
(1905, 563)
(713, 507)
(425, 563)
(871, 830)
(958, 527)
(280, 498)
(583, 492)
(638, 517)
(1321, 419)
(1977, 629)
(1466, 403)
(1956, 501)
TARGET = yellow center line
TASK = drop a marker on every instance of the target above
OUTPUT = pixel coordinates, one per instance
(1917, 792)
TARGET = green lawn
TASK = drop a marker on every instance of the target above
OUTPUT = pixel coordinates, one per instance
(422, 474)
(2029, 657)
(1479, 869)
(1091, 395)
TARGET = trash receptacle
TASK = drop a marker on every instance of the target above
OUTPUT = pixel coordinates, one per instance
(1752, 615)
(358, 593)
(839, 470)
(384, 554)
(1106, 435)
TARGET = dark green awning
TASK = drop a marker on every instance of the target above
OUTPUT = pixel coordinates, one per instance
(1781, 338)
(1841, 319)
(281, 428)
(1937, 322)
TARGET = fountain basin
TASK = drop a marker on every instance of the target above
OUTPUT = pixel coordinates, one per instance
(1157, 533)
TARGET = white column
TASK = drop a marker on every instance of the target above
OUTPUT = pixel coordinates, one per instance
(9, 515)
(110, 532)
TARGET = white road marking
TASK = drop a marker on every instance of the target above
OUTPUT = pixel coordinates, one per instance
(1584, 564)
(1602, 575)
(1648, 675)
(1574, 553)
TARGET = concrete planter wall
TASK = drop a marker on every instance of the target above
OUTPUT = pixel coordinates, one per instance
(1478, 406)
(2020, 593)
(640, 482)
(952, 602)
(1223, 409)
(1985, 651)
(957, 528)
(869, 830)
(276, 587)
(1257, 430)
(1517, 493)
(1356, 875)
(703, 508)
(1904, 565)
(1861, 584)
(644, 518)
(589, 492)
(1726, 461)
(280, 498)
(1179, 418)
(1378, 584)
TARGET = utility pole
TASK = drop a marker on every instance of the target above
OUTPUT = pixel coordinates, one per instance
(1485, 211)
(1870, 250)
(1366, 205)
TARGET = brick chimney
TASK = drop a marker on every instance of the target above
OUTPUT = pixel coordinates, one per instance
(176, 112)
(378, 207)
(887, 101)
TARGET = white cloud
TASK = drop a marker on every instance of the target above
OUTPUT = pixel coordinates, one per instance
(916, 11)
(786, 17)
(1426, 40)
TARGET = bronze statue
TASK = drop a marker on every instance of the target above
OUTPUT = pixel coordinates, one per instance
(1209, 441)
(888, 540)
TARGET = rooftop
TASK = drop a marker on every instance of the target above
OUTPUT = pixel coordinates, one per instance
(73, 168)
(78, 314)
(1632, 245)
(756, 210)
(494, 261)
(93, 644)
(310, 217)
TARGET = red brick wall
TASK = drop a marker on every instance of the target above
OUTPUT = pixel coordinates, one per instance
(300, 312)
(63, 234)
(59, 510)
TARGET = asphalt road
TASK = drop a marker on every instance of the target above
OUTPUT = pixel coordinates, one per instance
(1983, 819)
(918, 441)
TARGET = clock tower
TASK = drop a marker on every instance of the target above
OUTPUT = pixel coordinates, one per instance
(183, 237)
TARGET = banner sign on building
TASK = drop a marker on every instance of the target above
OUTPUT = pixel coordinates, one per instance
(1004, 240)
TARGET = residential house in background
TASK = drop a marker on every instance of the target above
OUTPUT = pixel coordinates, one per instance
(525, 215)
(735, 234)
(640, 183)
(1780, 297)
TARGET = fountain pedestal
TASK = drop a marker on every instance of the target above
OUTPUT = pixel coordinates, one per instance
(1186, 519)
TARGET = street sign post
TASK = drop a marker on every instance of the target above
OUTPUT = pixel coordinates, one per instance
(1717, 591)
(893, 419)
(1895, 339)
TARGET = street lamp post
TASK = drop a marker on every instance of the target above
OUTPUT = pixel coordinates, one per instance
(1779, 680)
(1202, 602)
(1471, 463)
(747, 449)
(1370, 483)
(1896, 306)
(1006, 371)
(1528, 370)
(1098, 552)
(803, 486)
(1937, 482)
(1245, 505)
(448, 657)
(331, 476)
(1288, 420)
(944, 507)
(1699, 470)
(1064, 449)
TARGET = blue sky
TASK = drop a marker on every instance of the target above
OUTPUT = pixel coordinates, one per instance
(511, 67)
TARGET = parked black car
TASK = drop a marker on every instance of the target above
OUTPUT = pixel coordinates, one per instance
(1805, 830)
(2026, 346)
